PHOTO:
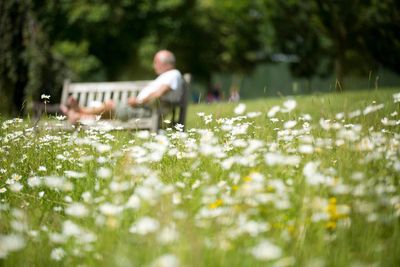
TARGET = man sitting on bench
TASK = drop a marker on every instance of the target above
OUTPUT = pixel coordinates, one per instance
(168, 86)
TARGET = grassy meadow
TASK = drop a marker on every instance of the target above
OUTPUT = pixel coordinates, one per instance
(291, 181)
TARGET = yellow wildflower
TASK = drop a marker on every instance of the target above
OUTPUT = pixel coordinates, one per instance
(331, 225)
(216, 204)
(247, 178)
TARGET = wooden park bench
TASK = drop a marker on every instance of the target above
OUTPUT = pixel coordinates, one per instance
(149, 116)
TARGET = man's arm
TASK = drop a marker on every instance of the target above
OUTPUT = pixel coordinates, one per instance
(162, 90)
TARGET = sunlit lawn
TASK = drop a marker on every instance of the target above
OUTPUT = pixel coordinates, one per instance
(302, 181)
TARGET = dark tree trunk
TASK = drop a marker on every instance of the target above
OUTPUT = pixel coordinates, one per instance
(339, 71)
(19, 89)
(18, 12)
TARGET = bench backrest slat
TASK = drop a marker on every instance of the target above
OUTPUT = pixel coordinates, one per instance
(107, 96)
(76, 95)
(117, 91)
(90, 97)
(82, 99)
(124, 97)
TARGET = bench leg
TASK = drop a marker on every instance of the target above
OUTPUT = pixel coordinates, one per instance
(155, 121)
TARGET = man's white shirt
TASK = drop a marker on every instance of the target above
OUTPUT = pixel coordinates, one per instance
(171, 78)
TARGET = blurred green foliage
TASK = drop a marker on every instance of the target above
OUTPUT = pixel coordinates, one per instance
(44, 42)
(80, 63)
(343, 37)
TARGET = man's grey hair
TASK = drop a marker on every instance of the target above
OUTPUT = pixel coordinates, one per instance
(168, 58)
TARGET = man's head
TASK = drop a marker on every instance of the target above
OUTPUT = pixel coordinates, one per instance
(164, 60)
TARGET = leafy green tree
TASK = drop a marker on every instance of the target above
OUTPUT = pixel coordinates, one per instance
(344, 36)
(292, 33)
(207, 35)
(343, 23)
(382, 33)
(29, 66)
(35, 55)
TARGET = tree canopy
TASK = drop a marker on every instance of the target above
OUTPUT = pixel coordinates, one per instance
(44, 42)
(336, 36)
